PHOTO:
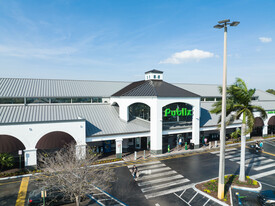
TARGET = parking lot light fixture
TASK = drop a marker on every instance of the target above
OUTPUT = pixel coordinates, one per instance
(223, 24)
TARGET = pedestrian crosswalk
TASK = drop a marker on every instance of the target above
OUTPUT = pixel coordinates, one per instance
(263, 165)
(156, 179)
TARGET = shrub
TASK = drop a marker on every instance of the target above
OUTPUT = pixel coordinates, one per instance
(6, 160)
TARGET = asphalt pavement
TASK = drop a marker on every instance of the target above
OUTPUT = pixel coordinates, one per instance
(169, 180)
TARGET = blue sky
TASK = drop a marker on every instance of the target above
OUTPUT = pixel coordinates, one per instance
(121, 39)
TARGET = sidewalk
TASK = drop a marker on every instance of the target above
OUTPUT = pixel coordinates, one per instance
(181, 150)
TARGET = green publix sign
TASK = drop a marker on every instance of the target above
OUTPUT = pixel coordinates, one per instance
(177, 112)
(270, 112)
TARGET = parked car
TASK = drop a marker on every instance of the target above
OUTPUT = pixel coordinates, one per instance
(267, 197)
(53, 197)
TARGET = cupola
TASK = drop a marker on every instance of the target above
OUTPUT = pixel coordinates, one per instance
(154, 75)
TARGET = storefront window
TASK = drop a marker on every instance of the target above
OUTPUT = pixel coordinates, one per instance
(61, 100)
(139, 110)
(96, 100)
(81, 100)
(11, 100)
(37, 100)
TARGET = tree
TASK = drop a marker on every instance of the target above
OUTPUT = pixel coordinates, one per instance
(6, 160)
(239, 105)
(236, 134)
(74, 177)
(271, 91)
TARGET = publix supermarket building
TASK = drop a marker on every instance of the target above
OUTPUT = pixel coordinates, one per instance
(45, 114)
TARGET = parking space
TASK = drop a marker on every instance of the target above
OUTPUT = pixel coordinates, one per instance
(192, 198)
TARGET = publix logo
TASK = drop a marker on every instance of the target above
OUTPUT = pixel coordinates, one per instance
(177, 112)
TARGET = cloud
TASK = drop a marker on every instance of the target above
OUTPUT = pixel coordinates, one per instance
(31, 52)
(186, 55)
(265, 39)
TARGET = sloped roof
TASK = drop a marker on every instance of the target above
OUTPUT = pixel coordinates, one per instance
(209, 119)
(204, 90)
(157, 88)
(15, 87)
(154, 71)
(102, 119)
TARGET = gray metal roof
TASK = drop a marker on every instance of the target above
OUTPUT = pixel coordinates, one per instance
(204, 90)
(102, 119)
(264, 95)
(208, 119)
(157, 88)
(15, 87)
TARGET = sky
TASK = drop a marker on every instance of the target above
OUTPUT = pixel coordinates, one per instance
(119, 40)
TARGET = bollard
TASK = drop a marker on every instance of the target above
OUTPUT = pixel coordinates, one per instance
(144, 155)
(168, 149)
(209, 145)
(216, 143)
(135, 155)
(185, 146)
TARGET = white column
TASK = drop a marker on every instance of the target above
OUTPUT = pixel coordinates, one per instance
(30, 157)
(156, 127)
(196, 126)
(265, 130)
(118, 148)
(123, 112)
(80, 151)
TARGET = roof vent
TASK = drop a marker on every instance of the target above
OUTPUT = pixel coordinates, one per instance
(154, 75)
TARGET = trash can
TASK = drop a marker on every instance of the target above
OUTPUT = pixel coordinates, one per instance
(191, 146)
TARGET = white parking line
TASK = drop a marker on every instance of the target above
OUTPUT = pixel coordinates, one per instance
(206, 202)
(193, 198)
(177, 189)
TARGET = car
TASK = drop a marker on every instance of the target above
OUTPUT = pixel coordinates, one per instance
(267, 197)
(53, 197)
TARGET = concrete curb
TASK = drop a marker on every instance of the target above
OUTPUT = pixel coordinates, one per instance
(29, 175)
(248, 189)
(244, 188)
(208, 196)
(19, 176)
(230, 192)
(207, 148)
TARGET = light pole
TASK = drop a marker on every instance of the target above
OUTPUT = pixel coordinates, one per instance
(223, 24)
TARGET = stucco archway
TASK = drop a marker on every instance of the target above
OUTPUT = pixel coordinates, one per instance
(271, 125)
(258, 127)
(54, 140)
(10, 144)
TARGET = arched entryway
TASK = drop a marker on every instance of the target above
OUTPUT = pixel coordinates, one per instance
(257, 128)
(176, 115)
(12, 145)
(271, 125)
(54, 140)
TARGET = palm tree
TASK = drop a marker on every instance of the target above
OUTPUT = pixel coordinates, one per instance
(238, 106)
